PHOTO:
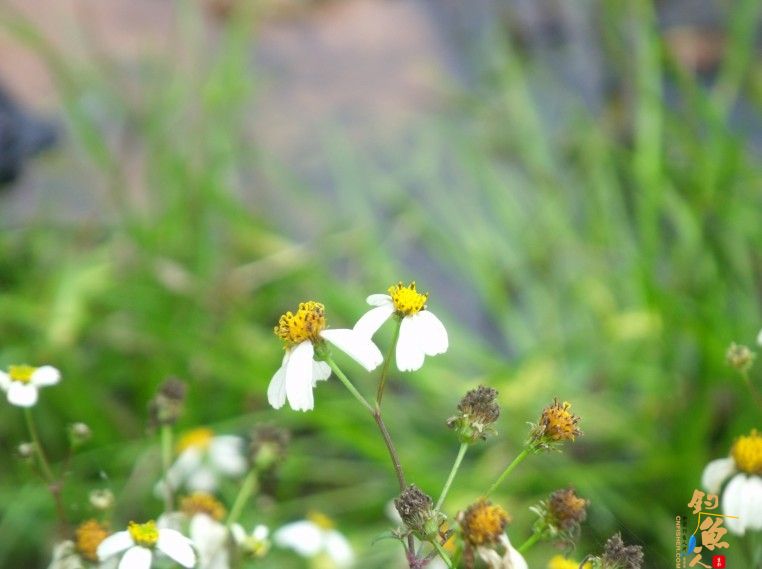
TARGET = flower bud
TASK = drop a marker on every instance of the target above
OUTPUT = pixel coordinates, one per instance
(79, 433)
(418, 514)
(101, 499)
(477, 412)
(165, 408)
(739, 357)
(267, 446)
(26, 451)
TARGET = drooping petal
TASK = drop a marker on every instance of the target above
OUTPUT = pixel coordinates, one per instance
(733, 504)
(379, 299)
(226, 454)
(515, 558)
(304, 537)
(113, 544)
(410, 353)
(433, 334)
(358, 347)
(320, 372)
(299, 377)
(45, 375)
(276, 391)
(22, 394)
(753, 493)
(715, 473)
(136, 558)
(209, 537)
(5, 381)
(177, 547)
(261, 532)
(371, 321)
(337, 547)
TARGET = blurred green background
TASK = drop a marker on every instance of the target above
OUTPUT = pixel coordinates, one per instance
(605, 252)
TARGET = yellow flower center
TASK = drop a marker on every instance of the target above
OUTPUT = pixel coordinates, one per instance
(202, 503)
(89, 536)
(560, 562)
(199, 438)
(145, 535)
(484, 523)
(558, 423)
(747, 453)
(321, 520)
(22, 373)
(306, 324)
(407, 301)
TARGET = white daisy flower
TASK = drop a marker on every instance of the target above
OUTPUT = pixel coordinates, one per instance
(742, 496)
(304, 333)
(255, 544)
(316, 537)
(204, 458)
(139, 541)
(421, 333)
(22, 382)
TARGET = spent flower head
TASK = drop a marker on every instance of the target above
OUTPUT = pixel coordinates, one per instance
(560, 515)
(483, 523)
(101, 499)
(477, 413)
(22, 382)
(267, 446)
(202, 503)
(557, 425)
(416, 508)
(167, 405)
(89, 535)
(740, 357)
(617, 555)
(79, 434)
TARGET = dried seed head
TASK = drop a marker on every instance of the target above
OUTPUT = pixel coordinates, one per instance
(477, 412)
(740, 357)
(483, 523)
(416, 509)
(165, 408)
(617, 555)
(566, 510)
(267, 447)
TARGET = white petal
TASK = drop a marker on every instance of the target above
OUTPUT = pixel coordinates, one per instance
(379, 299)
(177, 547)
(136, 558)
(299, 377)
(338, 549)
(276, 391)
(239, 534)
(371, 321)
(204, 479)
(303, 537)
(753, 494)
(172, 520)
(410, 352)
(226, 454)
(5, 381)
(516, 559)
(209, 537)
(113, 544)
(261, 532)
(358, 347)
(433, 334)
(185, 465)
(733, 504)
(715, 473)
(320, 372)
(45, 375)
(22, 394)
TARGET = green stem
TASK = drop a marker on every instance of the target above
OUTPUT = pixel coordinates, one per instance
(54, 485)
(248, 486)
(166, 462)
(453, 472)
(442, 553)
(534, 538)
(516, 461)
(348, 384)
(753, 390)
(387, 360)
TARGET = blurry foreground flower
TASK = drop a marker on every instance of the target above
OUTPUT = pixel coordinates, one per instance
(316, 537)
(90, 535)
(22, 382)
(101, 499)
(483, 526)
(304, 335)
(740, 357)
(477, 412)
(167, 405)
(421, 333)
(617, 555)
(557, 425)
(560, 515)
(742, 497)
(560, 562)
(139, 541)
(256, 544)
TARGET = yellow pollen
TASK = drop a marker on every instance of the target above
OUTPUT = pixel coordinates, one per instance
(22, 373)
(407, 301)
(558, 423)
(199, 438)
(202, 503)
(89, 536)
(484, 523)
(560, 562)
(321, 520)
(306, 324)
(145, 535)
(747, 453)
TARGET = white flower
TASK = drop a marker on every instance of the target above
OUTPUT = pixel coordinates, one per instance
(299, 371)
(421, 333)
(204, 458)
(21, 383)
(256, 543)
(510, 559)
(65, 556)
(210, 538)
(314, 537)
(742, 497)
(138, 543)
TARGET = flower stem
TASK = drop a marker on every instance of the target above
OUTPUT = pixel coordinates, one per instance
(54, 485)
(348, 384)
(516, 461)
(753, 390)
(534, 538)
(387, 360)
(442, 553)
(166, 461)
(247, 488)
(453, 472)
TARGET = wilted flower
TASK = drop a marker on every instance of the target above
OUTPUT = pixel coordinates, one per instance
(256, 544)
(416, 509)
(617, 555)
(560, 515)
(89, 536)
(139, 541)
(267, 446)
(315, 537)
(483, 523)
(742, 497)
(167, 405)
(740, 357)
(557, 424)
(304, 335)
(22, 382)
(421, 333)
(477, 412)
